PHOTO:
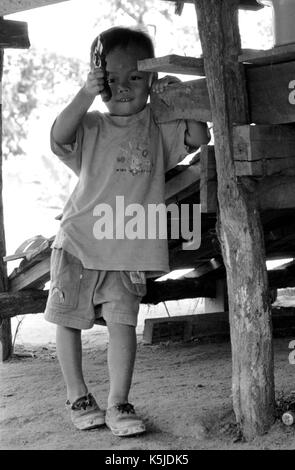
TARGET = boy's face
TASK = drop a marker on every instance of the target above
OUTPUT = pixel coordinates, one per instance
(130, 88)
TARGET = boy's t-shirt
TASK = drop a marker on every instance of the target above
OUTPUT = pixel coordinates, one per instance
(110, 220)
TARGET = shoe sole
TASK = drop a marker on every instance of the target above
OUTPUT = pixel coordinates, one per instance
(86, 425)
(130, 431)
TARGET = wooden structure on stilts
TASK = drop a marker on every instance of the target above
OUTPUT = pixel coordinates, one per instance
(245, 185)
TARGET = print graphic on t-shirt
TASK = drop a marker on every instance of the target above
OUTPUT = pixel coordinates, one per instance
(134, 157)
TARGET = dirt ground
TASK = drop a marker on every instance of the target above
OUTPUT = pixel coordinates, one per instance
(182, 390)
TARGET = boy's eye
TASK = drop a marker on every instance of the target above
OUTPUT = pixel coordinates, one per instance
(110, 80)
(136, 77)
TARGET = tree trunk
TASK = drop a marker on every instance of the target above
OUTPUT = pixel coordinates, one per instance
(5, 327)
(239, 226)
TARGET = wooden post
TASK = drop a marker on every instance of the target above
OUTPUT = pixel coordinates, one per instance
(5, 327)
(239, 225)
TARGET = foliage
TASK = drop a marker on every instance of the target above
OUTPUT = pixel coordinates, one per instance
(30, 79)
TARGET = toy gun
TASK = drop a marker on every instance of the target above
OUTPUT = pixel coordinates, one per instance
(99, 61)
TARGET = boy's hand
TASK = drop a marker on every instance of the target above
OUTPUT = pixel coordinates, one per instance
(159, 85)
(95, 82)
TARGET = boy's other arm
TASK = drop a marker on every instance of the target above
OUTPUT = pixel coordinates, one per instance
(196, 134)
(66, 124)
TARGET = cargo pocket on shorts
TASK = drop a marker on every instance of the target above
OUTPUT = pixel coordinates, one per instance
(135, 282)
(66, 272)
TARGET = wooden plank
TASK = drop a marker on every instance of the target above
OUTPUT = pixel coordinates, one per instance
(243, 4)
(195, 65)
(204, 269)
(272, 93)
(188, 181)
(22, 302)
(276, 55)
(14, 34)
(209, 326)
(175, 289)
(13, 6)
(264, 150)
(173, 64)
(186, 327)
(208, 183)
(272, 192)
(37, 274)
(276, 193)
(186, 100)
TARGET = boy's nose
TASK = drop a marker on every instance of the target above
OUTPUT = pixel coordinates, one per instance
(123, 86)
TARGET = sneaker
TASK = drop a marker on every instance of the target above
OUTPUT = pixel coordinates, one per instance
(85, 413)
(123, 421)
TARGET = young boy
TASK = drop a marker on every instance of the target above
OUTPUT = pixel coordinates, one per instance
(119, 156)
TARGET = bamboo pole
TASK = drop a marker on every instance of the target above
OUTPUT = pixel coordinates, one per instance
(239, 225)
(5, 328)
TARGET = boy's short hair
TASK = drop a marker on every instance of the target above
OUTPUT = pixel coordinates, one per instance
(124, 37)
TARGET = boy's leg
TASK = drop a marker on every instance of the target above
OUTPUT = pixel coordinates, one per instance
(121, 358)
(85, 413)
(69, 351)
(120, 416)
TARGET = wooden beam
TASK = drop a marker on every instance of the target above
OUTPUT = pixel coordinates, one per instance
(22, 302)
(243, 4)
(175, 289)
(239, 225)
(5, 326)
(272, 93)
(264, 150)
(208, 184)
(13, 6)
(173, 64)
(203, 269)
(186, 100)
(14, 34)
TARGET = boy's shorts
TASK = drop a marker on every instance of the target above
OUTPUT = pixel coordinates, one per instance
(78, 297)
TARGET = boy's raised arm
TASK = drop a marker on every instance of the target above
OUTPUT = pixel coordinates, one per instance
(66, 124)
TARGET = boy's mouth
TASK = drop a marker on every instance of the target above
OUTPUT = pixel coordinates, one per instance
(124, 100)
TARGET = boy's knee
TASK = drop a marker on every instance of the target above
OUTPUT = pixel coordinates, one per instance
(121, 330)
